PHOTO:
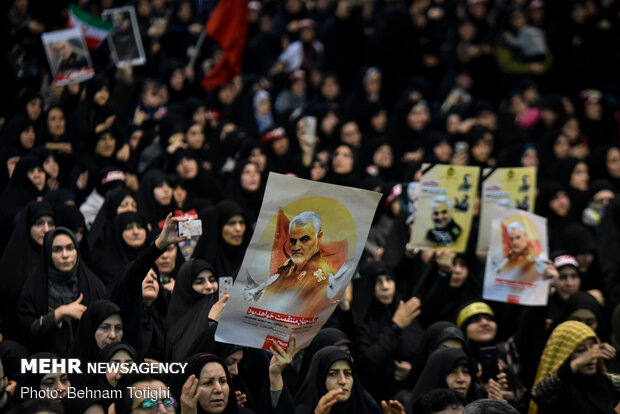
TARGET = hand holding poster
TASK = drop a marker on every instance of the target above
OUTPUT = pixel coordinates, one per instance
(516, 259)
(303, 253)
(508, 187)
(445, 207)
(68, 56)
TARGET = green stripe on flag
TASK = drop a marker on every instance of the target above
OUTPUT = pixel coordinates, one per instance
(89, 19)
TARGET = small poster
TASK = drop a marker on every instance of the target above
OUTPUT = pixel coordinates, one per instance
(507, 187)
(446, 197)
(516, 258)
(304, 251)
(124, 39)
(68, 56)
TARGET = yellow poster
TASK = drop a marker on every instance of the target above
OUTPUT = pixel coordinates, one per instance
(507, 187)
(447, 194)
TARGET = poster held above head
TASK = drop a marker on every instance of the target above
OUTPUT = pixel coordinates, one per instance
(68, 56)
(516, 259)
(508, 187)
(124, 38)
(305, 248)
(445, 206)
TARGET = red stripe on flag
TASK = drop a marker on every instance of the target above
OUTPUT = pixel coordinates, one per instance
(227, 25)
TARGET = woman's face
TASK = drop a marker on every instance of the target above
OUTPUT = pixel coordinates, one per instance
(56, 122)
(379, 121)
(106, 144)
(64, 253)
(481, 151)
(27, 138)
(233, 230)
(584, 347)
(177, 79)
(571, 130)
(568, 282)
(37, 177)
(385, 288)
(613, 163)
(34, 108)
(119, 357)
(110, 330)
(150, 286)
(584, 316)
(443, 151)
(258, 157)
(481, 329)
(561, 147)
(101, 96)
(560, 204)
(340, 376)
(250, 177)
(330, 88)
(187, 168)
(418, 117)
(530, 158)
(194, 137)
(127, 205)
(56, 382)
(232, 362)
(579, 178)
(459, 380)
(383, 156)
(213, 388)
(373, 84)
(134, 235)
(343, 160)
(280, 146)
(41, 226)
(51, 167)
(459, 274)
(205, 283)
(163, 194)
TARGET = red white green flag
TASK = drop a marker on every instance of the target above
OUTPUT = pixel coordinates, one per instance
(94, 29)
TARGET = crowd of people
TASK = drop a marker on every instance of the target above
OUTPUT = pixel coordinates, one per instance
(95, 176)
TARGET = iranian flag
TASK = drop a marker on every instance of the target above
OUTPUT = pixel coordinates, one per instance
(94, 29)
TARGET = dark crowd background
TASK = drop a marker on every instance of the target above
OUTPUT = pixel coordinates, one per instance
(91, 269)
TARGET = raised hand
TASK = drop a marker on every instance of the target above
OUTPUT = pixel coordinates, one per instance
(392, 407)
(189, 396)
(168, 233)
(279, 361)
(407, 312)
(218, 307)
(74, 309)
(327, 402)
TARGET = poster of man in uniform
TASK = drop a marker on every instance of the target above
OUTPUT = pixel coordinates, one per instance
(445, 207)
(68, 56)
(308, 239)
(124, 39)
(516, 258)
(508, 187)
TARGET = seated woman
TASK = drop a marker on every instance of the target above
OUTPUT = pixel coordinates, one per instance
(207, 386)
(571, 375)
(140, 296)
(333, 385)
(54, 299)
(126, 239)
(447, 368)
(20, 260)
(100, 325)
(115, 352)
(193, 307)
(52, 386)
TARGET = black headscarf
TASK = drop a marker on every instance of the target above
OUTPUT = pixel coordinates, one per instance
(195, 363)
(50, 288)
(85, 346)
(19, 261)
(105, 355)
(117, 254)
(351, 179)
(226, 259)
(548, 191)
(18, 192)
(188, 314)
(313, 388)
(437, 368)
(583, 300)
(33, 380)
(250, 201)
(103, 221)
(149, 208)
(203, 186)
(68, 215)
(433, 337)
